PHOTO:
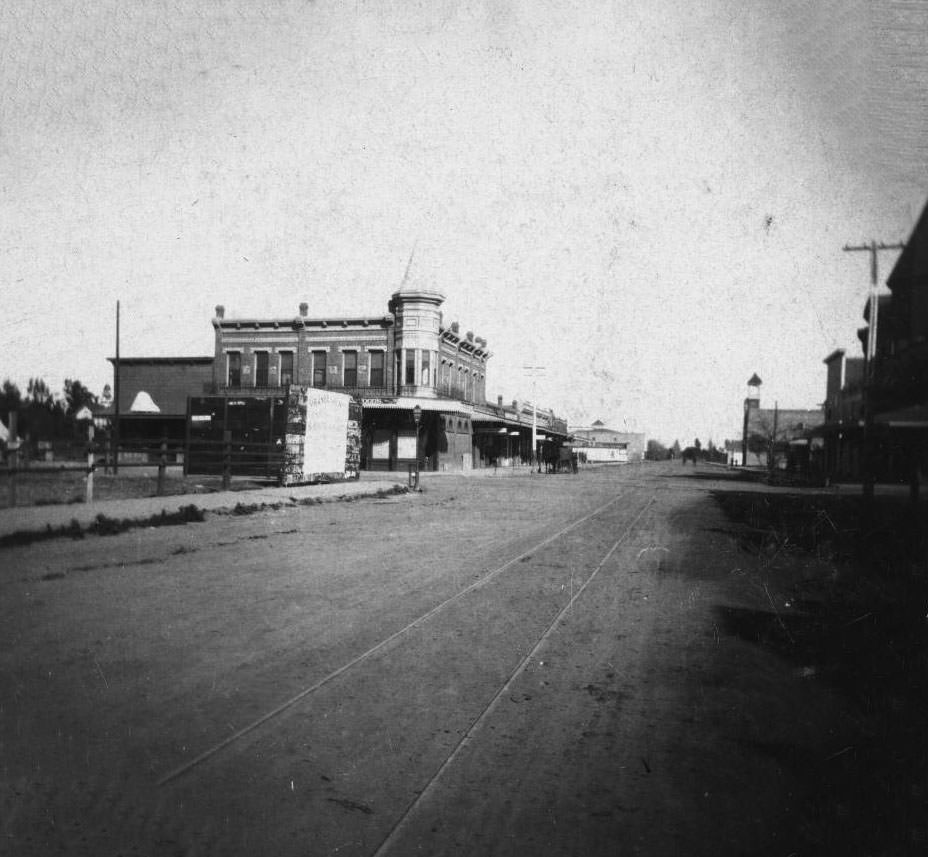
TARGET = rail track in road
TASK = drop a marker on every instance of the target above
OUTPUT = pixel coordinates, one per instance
(627, 521)
(475, 727)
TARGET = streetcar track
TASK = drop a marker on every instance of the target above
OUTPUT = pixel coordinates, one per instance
(489, 708)
(179, 771)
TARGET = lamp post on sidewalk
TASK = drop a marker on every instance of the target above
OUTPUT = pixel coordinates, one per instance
(533, 372)
(417, 417)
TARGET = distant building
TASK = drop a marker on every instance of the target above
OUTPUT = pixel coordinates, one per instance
(734, 455)
(153, 395)
(777, 436)
(842, 428)
(598, 443)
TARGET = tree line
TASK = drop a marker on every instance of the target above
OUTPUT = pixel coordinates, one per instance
(40, 414)
(656, 451)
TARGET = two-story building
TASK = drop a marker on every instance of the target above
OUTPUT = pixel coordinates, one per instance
(899, 376)
(877, 415)
(405, 360)
(405, 363)
(842, 430)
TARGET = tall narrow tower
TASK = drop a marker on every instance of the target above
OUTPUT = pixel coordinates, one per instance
(752, 402)
(417, 319)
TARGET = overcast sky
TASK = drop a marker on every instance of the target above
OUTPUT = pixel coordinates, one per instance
(647, 198)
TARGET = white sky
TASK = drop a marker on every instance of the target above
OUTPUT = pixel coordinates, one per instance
(647, 198)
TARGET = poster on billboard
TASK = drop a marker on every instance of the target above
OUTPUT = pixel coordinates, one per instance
(326, 432)
(323, 440)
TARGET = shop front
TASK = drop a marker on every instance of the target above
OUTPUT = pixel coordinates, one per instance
(392, 441)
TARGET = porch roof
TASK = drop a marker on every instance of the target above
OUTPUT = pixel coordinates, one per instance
(407, 403)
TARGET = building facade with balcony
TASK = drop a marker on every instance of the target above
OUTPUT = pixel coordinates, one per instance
(393, 363)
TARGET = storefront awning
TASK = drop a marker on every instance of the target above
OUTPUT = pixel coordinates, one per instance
(407, 403)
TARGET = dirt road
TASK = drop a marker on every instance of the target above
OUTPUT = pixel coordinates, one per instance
(539, 665)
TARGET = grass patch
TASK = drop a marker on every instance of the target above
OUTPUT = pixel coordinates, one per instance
(106, 526)
(103, 525)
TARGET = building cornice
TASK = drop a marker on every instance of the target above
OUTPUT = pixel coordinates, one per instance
(337, 323)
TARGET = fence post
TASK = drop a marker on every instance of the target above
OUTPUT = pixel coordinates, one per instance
(162, 464)
(88, 489)
(13, 449)
(226, 460)
(13, 467)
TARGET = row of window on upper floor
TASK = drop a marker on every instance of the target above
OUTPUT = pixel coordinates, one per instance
(418, 364)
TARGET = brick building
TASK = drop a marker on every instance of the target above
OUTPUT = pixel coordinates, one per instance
(393, 363)
(403, 362)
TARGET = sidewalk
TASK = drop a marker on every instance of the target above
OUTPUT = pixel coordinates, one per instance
(37, 519)
(32, 519)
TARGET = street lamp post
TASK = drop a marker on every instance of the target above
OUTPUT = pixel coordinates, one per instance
(533, 371)
(417, 417)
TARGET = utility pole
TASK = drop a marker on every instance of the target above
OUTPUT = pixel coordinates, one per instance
(116, 374)
(533, 372)
(873, 248)
(773, 443)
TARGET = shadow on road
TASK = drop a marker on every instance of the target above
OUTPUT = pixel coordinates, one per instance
(715, 474)
(848, 595)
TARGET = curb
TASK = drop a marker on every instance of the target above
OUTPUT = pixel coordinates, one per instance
(25, 525)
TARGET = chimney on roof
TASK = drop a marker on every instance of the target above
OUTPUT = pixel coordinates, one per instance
(304, 309)
(220, 311)
(499, 401)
